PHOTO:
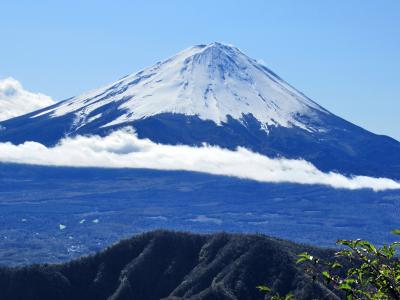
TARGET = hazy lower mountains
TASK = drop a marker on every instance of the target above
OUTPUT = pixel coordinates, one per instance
(215, 94)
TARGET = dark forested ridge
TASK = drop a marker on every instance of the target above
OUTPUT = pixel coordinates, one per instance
(171, 265)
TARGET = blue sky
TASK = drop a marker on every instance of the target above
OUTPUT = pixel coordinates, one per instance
(345, 55)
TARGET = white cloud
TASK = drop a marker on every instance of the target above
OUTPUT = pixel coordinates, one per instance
(15, 101)
(122, 149)
(205, 219)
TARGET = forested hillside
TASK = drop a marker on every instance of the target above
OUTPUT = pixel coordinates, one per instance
(172, 265)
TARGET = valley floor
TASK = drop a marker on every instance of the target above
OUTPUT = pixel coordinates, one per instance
(50, 215)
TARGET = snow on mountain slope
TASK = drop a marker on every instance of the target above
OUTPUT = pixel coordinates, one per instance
(209, 81)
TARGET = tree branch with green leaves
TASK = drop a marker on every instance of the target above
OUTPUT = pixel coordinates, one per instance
(359, 271)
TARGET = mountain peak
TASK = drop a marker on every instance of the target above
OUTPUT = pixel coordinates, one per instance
(214, 94)
(216, 53)
(213, 81)
(217, 45)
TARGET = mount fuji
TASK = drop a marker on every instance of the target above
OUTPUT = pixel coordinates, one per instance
(215, 94)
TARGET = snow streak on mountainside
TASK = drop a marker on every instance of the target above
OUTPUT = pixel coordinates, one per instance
(209, 81)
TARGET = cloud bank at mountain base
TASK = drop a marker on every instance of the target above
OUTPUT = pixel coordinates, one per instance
(123, 149)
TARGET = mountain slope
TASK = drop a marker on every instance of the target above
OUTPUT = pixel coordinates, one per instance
(215, 94)
(208, 81)
(168, 265)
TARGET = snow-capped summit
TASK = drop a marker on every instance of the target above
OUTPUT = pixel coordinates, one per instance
(211, 81)
(215, 94)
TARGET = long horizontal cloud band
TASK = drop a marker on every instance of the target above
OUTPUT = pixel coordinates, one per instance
(123, 149)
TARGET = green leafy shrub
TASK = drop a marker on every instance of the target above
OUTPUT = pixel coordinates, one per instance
(274, 296)
(362, 270)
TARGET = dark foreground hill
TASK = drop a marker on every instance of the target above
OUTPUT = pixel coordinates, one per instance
(171, 265)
